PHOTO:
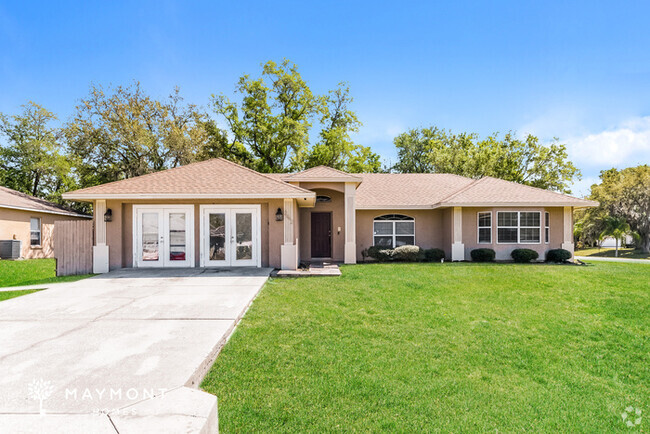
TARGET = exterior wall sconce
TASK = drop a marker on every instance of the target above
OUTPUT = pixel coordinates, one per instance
(108, 215)
(278, 215)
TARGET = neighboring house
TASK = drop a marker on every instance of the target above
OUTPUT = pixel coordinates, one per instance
(31, 220)
(611, 242)
(217, 213)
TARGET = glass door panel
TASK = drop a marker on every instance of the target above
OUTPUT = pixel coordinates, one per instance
(150, 236)
(244, 235)
(217, 237)
(177, 236)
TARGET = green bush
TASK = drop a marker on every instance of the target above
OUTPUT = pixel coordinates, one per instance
(483, 255)
(558, 255)
(408, 254)
(380, 254)
(434, 255)
(524, 255)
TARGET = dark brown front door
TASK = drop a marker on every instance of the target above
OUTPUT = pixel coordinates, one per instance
(321, 235)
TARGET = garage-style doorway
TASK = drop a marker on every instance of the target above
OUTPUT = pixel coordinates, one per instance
(230, 236)
(163, 235)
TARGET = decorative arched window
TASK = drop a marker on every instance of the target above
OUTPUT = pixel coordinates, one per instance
(393, 230)
(323, 198)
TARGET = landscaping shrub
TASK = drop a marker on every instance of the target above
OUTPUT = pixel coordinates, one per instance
(434, 255)
(408, 254)
(380, 254)
(483, 255)
(524, 255)
(558, 255)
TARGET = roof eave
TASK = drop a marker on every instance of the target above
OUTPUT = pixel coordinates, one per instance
(107, 196)
(582, 204)
(63, 213)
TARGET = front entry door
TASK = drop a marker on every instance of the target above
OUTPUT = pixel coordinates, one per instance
(230, 236)
(163, 236)
(321, 235)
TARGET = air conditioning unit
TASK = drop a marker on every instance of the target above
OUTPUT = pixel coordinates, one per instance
(10, 249)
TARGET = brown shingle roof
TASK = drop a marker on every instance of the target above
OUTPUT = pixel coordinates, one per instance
(406, 190)
(494, 191)
(210, 179)
(16, 200)
(322, 173)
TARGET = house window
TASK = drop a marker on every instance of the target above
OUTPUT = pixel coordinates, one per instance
(485, 227)
(393, 230)
(518, 227)
(323, 198)
(547, 228)
(35, 231)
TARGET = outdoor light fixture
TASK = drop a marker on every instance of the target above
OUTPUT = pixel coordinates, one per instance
(278, 215)
(108, 215)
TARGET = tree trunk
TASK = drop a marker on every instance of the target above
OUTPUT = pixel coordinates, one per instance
(645, 244)
(616, 253)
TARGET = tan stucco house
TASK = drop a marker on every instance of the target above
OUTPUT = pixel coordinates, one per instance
(31, 220)
(216, 213)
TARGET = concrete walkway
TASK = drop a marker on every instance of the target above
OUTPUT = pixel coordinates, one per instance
(605, 259)
(121, 352)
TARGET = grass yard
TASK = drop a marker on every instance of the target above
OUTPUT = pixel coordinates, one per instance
(32, 272)
(441, 347)
(6, 295)
(611, 252)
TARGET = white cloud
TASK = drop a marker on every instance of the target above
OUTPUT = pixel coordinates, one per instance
(627, 144)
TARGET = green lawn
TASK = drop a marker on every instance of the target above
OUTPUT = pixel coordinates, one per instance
(32, 272)
(441, 347)
(610, 253)
(6, 295)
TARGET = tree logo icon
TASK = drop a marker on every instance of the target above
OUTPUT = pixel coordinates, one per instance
(39, 390)
(632, 416)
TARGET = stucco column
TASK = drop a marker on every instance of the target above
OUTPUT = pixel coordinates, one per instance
(567, 240)
(350, 254)
(289, 249)
(100, 249)
(457, 246)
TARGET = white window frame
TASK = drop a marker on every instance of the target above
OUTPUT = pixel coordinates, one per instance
(40, 232)
(478, 227)
(547, 227)
(519, 227)
(393, 234)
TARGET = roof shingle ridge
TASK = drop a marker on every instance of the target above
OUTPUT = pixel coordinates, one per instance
(460, 190)
(300, 189)
(146, 175)
(535, 188)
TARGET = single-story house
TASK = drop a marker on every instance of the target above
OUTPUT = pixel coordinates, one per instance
(216, 213)
(31, 221)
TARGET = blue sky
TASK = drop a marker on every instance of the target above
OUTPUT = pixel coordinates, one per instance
(577, 70)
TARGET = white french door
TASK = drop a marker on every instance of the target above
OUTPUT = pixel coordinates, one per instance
(230, 236)
(163, 236)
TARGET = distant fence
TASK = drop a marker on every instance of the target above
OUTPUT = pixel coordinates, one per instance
(73, 247)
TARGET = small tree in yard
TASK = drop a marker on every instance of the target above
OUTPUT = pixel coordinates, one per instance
(616, 228)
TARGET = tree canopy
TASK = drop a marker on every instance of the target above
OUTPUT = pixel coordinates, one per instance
(33, 160)
(624, 194)
(123, 132)
(270, 127)
(526, 161)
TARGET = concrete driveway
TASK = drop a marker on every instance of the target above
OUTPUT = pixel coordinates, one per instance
(122, 352)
